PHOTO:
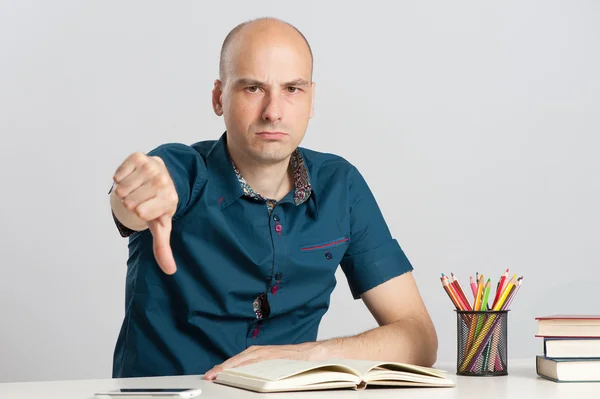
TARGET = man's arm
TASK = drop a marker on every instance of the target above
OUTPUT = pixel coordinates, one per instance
(406, 333)
(380, 274)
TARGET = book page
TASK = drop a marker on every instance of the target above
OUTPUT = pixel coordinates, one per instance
(442, 383)
(410, 368)
(387, 377)
(278, 369)
(318, 381)
(363, 367)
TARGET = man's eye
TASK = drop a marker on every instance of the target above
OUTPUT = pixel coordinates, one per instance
(292, 89)
(252, 89)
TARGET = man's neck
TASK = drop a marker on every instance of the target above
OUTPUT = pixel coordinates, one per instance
(272, 181)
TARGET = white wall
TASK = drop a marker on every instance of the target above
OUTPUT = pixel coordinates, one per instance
(475, 124)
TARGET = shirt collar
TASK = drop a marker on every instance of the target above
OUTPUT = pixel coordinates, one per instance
(226, 187)
(302, 186)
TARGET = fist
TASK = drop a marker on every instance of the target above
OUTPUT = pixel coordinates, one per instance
(146, 189)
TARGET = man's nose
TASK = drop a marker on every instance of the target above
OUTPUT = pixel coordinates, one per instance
(273, 108)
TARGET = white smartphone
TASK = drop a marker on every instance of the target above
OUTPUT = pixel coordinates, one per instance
(154, 393)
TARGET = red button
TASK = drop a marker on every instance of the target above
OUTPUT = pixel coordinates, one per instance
(278, 228)
(274, 289)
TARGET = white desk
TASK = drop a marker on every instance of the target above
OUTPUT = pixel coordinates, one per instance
(522, 382)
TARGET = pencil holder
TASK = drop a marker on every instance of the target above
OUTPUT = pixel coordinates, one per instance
(482, 343)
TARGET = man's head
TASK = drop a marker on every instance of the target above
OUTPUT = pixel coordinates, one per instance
(265, 86)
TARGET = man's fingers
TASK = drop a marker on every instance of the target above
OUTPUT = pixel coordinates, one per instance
(259, 353)
(131, 182)
(123, 171)
(161, 234)
(252, 352)
(237, 361)
(152, 209)
(128, 166)
(212, 373)
(143, 193)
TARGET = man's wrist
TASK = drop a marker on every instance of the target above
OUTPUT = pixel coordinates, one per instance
(328, 349)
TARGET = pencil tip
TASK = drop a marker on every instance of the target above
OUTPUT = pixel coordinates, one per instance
(443, 274)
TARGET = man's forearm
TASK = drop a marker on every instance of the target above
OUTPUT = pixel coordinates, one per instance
(406, 341)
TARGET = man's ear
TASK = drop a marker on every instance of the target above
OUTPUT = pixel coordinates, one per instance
(217, 94)
(312, 101)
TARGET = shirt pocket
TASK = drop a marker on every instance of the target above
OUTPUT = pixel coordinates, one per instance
(325, 245)
(317, 261)
(313, 266)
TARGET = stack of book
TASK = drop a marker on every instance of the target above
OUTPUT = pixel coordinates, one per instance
(571, 348)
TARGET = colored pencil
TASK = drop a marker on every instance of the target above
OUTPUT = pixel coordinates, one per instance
(460, 291)
(505, 293)
(500, 287)
(450, 293)
(473, 287)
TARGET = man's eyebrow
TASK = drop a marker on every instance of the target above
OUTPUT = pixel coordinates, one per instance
(248, 82)
(297, 82)
(254, 82)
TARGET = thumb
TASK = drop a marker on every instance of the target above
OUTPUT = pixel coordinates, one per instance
(161, 233)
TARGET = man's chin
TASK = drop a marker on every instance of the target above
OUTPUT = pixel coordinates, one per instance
(271, 157)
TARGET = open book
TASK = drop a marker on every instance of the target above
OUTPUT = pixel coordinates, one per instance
(300, 375)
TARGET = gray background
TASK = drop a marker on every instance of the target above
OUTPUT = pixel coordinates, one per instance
(475, 124)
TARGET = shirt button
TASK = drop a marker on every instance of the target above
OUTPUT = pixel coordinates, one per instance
(276, 217)
(328, 255)
(278, 276)
(278, 228)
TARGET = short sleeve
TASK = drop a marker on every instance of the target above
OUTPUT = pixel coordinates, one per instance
(188, 172)
(373, 256)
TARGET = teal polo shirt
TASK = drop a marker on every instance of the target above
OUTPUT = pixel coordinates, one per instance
(247, 274)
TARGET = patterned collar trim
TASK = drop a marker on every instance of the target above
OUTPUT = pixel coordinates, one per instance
(302, 186)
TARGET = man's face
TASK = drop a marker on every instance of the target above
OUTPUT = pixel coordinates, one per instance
(267, 97)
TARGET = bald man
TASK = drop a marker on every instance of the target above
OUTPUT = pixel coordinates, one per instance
(234, 243)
